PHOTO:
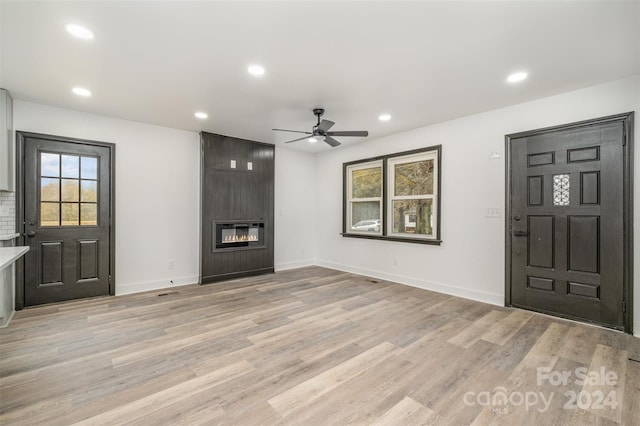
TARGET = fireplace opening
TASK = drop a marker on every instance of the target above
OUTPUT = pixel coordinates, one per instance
(239, 235)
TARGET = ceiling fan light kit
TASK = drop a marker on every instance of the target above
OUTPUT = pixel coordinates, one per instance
(320, 132)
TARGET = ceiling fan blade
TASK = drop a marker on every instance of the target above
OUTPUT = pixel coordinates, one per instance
(362, 133)
(325, 125)
(296, 140)
(292, 131)
(331, 141)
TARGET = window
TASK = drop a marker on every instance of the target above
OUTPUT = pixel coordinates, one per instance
(411, 195)
(394, 197)
(68, 190)
(364, 197)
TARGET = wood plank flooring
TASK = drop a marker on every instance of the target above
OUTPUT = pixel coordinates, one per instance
(311, 346)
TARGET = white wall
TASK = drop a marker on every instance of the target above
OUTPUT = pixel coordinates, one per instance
(157, 196)
(470, 262)
(157, 171)
(295, 209)
(157, 192)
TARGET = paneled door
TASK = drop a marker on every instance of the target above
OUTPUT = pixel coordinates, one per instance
(67, 218)
(567, 209)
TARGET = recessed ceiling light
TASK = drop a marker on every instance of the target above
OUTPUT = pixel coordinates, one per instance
(517, 77)
(80, 32)
(201, 115)
(256, 70)
(384, 117)
(81, 91)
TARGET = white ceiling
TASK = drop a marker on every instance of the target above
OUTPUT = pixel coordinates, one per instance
(422, 62)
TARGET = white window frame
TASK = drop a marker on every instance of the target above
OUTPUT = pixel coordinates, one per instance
(391, 197)
(351, 200)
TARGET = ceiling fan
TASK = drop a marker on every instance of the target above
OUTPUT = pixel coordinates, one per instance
(320, 131)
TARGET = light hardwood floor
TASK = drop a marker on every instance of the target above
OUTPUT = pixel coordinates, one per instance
(310, 346)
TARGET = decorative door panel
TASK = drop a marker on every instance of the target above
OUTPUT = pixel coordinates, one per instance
(566, 223)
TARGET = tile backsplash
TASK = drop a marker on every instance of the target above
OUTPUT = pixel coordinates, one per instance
(7, 213)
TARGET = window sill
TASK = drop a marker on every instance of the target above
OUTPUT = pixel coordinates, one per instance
(398, 239)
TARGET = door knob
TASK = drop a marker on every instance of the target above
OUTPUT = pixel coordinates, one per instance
(31, 234)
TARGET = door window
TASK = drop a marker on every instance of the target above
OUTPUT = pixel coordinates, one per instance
(561, 190)
(68, 190)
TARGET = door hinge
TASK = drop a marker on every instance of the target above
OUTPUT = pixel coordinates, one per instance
(109, 279)
(624, 136)
(624, 306)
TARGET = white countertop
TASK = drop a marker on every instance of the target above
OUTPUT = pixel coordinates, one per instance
(8, 255)
(7, 237)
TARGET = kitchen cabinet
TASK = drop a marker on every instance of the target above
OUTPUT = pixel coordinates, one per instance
(6, 141)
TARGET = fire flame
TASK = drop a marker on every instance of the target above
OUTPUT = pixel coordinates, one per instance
(240, 238)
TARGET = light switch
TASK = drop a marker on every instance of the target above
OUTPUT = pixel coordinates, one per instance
(249, 165)
(233, 164)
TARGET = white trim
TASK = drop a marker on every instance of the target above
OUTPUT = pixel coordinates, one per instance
(122, 289)
(391, 197)
(351, 200)
(294, 265)
(476, 295)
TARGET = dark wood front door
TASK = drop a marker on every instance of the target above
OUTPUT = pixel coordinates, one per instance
(568, 196)
(67, 195)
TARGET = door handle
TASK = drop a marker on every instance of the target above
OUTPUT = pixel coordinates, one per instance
(31, 234)
(519, 233)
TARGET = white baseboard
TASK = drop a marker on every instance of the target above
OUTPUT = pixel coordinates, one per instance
(122, 289)
(479, 296)
(294, 265)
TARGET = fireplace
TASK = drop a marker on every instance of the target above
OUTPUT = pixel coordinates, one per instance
(239, 235)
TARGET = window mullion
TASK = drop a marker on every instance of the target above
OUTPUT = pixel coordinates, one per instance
(412, 197)
(365, 199)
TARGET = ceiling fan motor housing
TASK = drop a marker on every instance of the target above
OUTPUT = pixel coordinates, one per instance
(321, 129)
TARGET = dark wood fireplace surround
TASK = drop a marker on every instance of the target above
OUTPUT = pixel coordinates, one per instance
(236, 194)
